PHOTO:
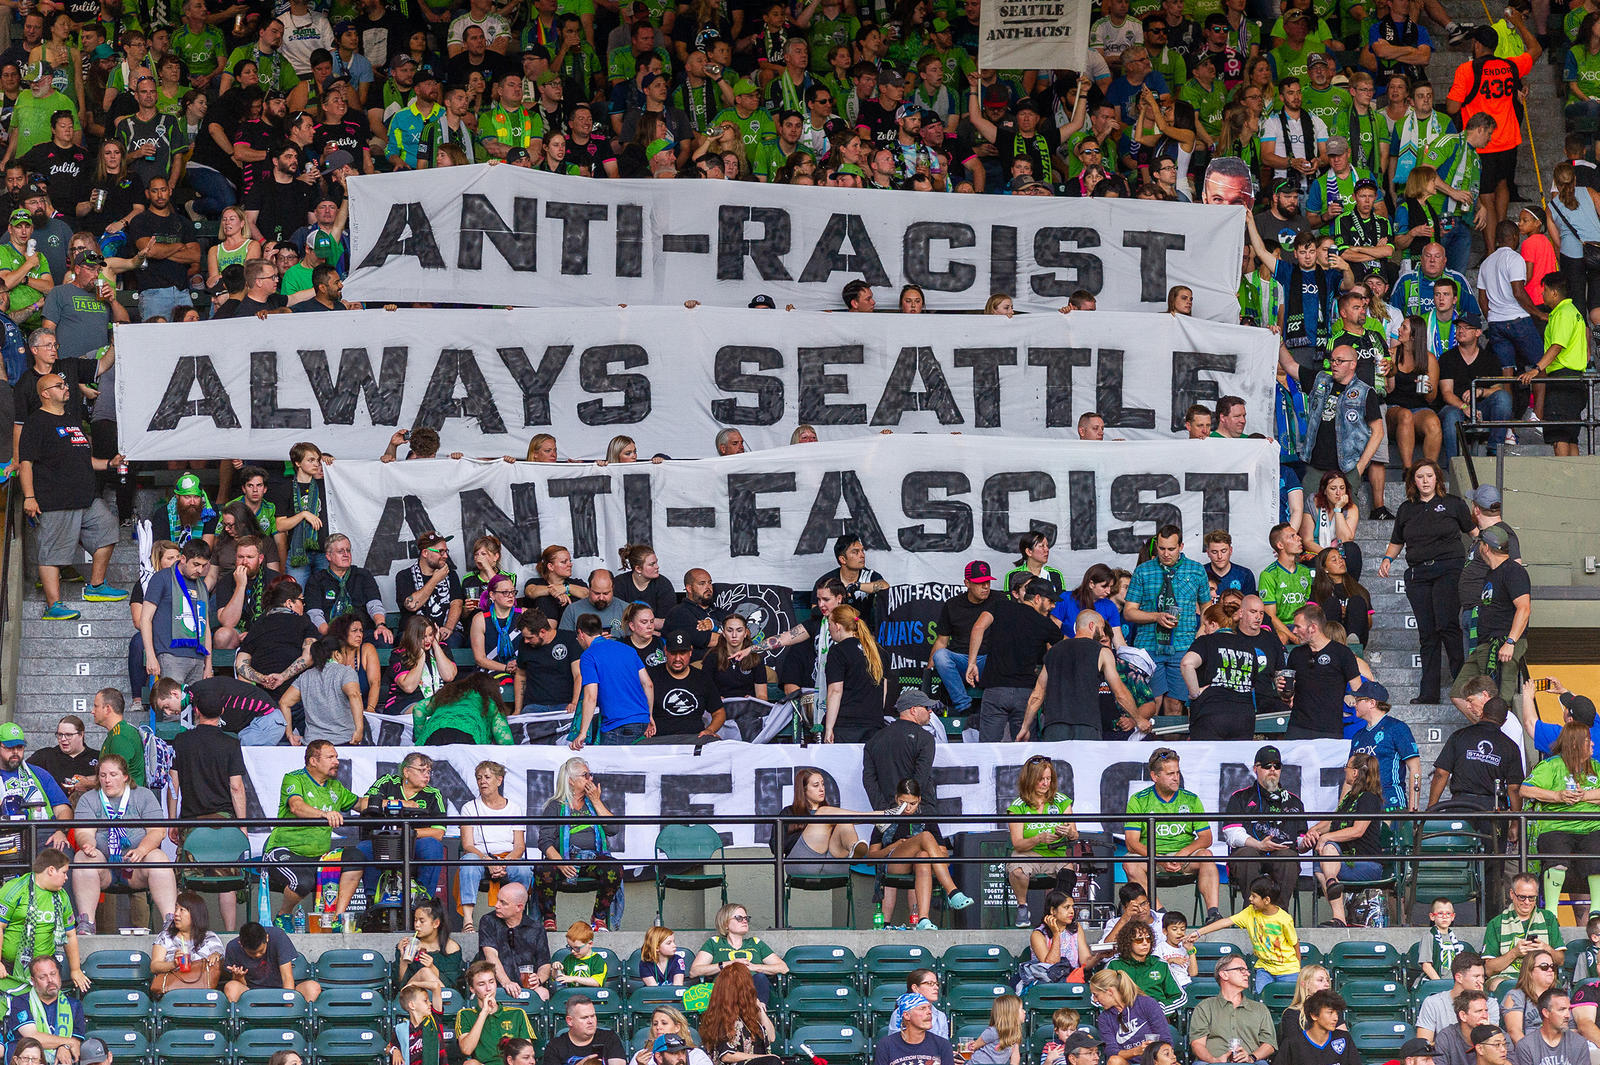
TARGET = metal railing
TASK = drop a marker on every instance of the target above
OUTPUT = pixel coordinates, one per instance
(1474, 426)
(1489, 824)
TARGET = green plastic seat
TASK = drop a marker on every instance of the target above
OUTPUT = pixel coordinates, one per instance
(118, 1008)
(350, 1007)
(349, 1046)
(893, 962)
(1276, 996)
(607, 1004)
(839, 1044)
(190, 1046)
(830, 880)
(617, 976)
(682, 854)
(1378, 1041)
(971, 1000)
(228, 852)
(1364, 958)
(643, 1000)
(980, 962)
(352, 968)
(255, 1046)
(880, 1007)
(1372, 997)
(822, 963)
(193, 1008)
(113, 969)
(275, 1008)
(128, 1045)
(810, 1004)
(1041, 1000)
(1209, 954)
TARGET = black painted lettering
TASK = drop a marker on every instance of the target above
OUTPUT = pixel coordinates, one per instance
(997, 492)
(825, 524)
(596, 378)
(958, 276)
(440, 402)
(516, 243)
(630, 240)
(1058, 364)
(1051, 252)
(576, 219)
(828, 257)
(985, 363)
(406, 232)
(580, 493)
(1127, 505)
(399, 514)
(1083, 508)
(518, 531)
(338, 399)
(917, 502)
(1108, 394)
(1003, 260)
(1153, 246)
(638, 508)
(817, 384)
(1189, 388)
(264, 410)
(898, 397)
(765, 252)
(535, 384)
(1215, 490)
(728, 370)
(213, 402)
(746, 518)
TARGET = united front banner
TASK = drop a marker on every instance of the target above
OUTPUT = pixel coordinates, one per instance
(517, 237)
(669, 377)
(922, 505)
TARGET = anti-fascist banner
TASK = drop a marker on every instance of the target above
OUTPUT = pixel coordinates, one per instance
(669, 377)
(506, 235)
(922, 505)
(1019, 34)
(731, 779)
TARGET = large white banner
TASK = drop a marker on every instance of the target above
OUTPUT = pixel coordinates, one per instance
(922, 505)
(669, 377)
(731, 779)
(1024, 34)
(509, 236)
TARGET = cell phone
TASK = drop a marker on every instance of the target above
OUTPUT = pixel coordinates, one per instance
(1542, 684)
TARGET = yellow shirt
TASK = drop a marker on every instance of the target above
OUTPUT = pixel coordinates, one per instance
(1273, 938)
(1566, 327)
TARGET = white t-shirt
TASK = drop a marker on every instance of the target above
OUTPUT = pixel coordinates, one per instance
(493, 839)
(1113, 40)
(302, 35)
(1495, 276)
(1272, 132)
(492, 25)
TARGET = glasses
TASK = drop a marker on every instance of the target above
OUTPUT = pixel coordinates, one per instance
(1525, 898)
(62, 734)
(1269, 765)
(1238, 970)
(1546, 967)
(745, 917)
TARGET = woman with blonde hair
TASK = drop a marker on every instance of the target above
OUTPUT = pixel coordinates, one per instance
(733, 946)
(1312, 978)
(1354, 831)
(803, 434)
(1417, 223)
(623, 449)
(234, 246)
(576, 842)
(1000, 304)
(857, 694)
(668, 1020)
(1129, 1019)
(542, 448)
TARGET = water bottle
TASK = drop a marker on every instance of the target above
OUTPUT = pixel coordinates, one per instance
(877, 917)
(263, 902)
(1234, 1046)
(299, 919)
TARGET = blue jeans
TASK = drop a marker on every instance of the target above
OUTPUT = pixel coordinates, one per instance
(265, 731)
(1583, 112)
(1263, 978)
(952, 669)
(160, 302)
(424, 849)
(623, 735)
(1457, 243)
(472, 876)
(1494, 407)
(216, 191)
(1518, 343)
(316, 562)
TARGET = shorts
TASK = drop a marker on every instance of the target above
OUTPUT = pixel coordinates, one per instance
(1495, 168)
(63, 532)
(1169, 672)
(1044, 867)
(288, 871)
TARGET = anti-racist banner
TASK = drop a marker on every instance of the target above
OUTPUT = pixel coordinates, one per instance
(921, 505)
(1024, 34)
(509, 236)
(729, 779)
(669, 377)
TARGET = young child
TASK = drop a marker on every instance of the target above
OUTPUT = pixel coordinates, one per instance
(1442, 946)
(1001, 1042)
(1271, 931)
(417, 1038)
(1588, 965)
(1180, 956)
(1065, 1021)
(582, 967)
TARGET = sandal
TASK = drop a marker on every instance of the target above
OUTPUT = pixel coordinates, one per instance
(1333, 890)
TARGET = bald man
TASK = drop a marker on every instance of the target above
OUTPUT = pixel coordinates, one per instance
(695, 614)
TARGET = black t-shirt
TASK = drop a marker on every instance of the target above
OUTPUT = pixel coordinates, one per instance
(689, 615)
(739, 680)
(283, 206)
(1497, 603)
(254, 596)
(1478, 755)
(1476, 569)
(276, 639)
(880, 121)
(861, 704)
(1268, 645)
(262, 971)
(1040, 148)
(64, 767)
(1352, 611)
(161, 229)
(323, 595)
(1432, 531)
(1298, 1049)
(1015, 644)
(437, 608)
(1072, 688)
(683, 704)
(651, 654)
(866, 603)
(547, 670)
(562, 1049)
(347, 135)
(237, 702)
(63, 473)
(74, 371)
(1321, 680)
(205, 758)
(1230, 674)
(1325, 446)
(658, 593)
(1262, 813)
(957, 617)
(492, 65)
(1367, 806)
(67, 170)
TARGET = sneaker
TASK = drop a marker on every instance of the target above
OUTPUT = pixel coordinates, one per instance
(925, 925)
(860, 850)
(59, 612)
(1511, 438)
(70, 575)
(1213, 915)
(1459, 32)
(1024, 918)
(103, 593)
(960, 900)
(1381, 514)
(85, 927)
(599, 925)
(549, 924)
(1531, 415)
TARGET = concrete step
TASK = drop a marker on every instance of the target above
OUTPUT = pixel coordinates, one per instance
(55, 685)
(76, 666)
(37, 645)
(72, 595)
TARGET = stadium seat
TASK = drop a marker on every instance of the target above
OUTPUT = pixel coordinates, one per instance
(352, 968)
(193, 1008)
(1209, 953)
(839, 1044)
(966, 1033)
(643, 1000)
(118, 1008)
(1372, 998)
(128, 1045)
(228, 851)
(353, 1007)
(616, 975)
(682, 854)
(255, 1046)
(110, 970)
(980, 962)
(1276, 996)
(1310, 954)
(893, 962)
(272, 1008)
(823, 1005)
(1041, 1000)
(880, 1006)
(822, 963)
(830, 881)
(190, 1046)
(1364, 958)
(1461, 882)
(632, 964)
(1202, 988)
(349, 1046)
(607, 1004)
(971, 1000)
(1380, 1041)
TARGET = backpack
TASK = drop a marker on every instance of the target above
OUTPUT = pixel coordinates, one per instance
(158, 758)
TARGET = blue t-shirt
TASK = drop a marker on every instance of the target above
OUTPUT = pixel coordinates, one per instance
(162, 596)
(15, 781)
(615, 668)
(1391, 741)
(1066, 612)
(1124, 96)
(21, 1013)
(1545, 735)
(1238, 577)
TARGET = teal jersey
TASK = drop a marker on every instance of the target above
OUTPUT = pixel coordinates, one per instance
(1284, 591)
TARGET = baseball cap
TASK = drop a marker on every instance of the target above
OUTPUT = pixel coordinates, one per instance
(745, 87)
(188, 485)
(404, 59)
(1202, 58)
(1486, 495)
(1484, 1032)
(39, 70)
(430, 540)
(851, 168)
(517, 155)
(425, 74)
(1366, 183)
(1027, 103)
(978, 572)
(1269, 755)
(1470, 320)
(11, 735)
(88, 257)
(1495, 537)
(669, 1041)
(1371, 689)
(1417, 1048)
(905, 111)
(335, 160)
(677, 641)
(891, 77)
(342, 25)
(1581, 707)
(1023, 184)
(548, 76)
(647, 81)
(93, 1051)
(103, 50)
(1486, 36)
(660, 144)
(996, 96)
(941, 25)
(535, 51)
(910, 1001)
(1295, 15)
(1288, 184)
(325, 246)
(1338, 146)
(1041, 587)
(1317, 59)
(912, 698)
(1082, 1040)
(19, 216)
(764, 302)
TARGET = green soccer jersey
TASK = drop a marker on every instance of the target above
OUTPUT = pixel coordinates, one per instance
(770, 158)
(124, 739)
(276, 73)
(1175, 830)
(24, 301)
(309, 838)
(199, 51)
(755, 131)
(1208, 104)
(1283, 591)
(591, 965)
(1290, 63)
(507, 1022)
(1332, 105)
(1583, 71)
(20, 897)
(825, 34)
